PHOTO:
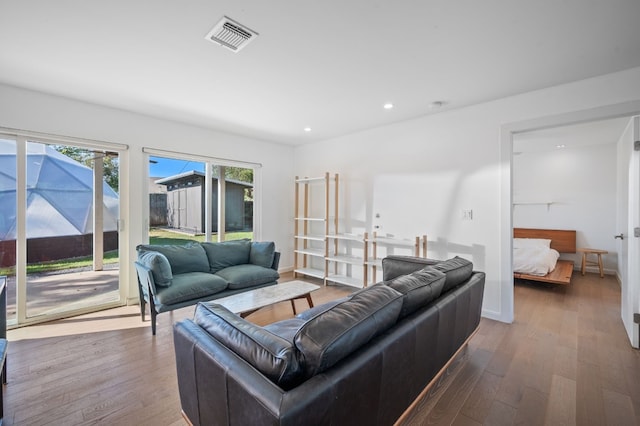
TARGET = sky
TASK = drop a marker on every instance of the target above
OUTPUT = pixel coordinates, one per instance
(164, 167)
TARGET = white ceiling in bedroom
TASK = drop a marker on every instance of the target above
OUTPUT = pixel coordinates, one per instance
(569, 137)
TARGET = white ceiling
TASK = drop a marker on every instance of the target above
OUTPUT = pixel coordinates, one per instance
(568, 137)
(329, 65)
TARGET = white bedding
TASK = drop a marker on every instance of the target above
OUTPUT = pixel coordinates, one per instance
(534, 259)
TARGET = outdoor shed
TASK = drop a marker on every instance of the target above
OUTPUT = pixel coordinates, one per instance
(186, 203)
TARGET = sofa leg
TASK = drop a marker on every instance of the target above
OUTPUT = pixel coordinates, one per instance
(143, 307)
(153, 322)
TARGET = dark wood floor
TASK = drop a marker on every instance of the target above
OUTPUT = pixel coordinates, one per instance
(565, 360)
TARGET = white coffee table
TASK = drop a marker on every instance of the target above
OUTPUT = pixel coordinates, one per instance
(250, 301)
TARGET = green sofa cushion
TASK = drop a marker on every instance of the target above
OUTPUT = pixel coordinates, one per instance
(243, 276)
(182, 258)
(159, 265)
(190, 286)
(262, 253)
(227, 253)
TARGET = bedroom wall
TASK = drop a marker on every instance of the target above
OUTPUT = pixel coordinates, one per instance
(39, 112)
(581, 183)
(419, 174)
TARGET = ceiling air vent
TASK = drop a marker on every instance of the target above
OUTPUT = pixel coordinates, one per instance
(230, 34)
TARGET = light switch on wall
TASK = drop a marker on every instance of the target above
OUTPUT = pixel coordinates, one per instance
(467, 214)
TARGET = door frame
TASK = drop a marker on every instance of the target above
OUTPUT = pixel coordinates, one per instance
(625, 109)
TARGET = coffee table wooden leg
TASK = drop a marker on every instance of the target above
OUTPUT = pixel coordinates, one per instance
(293, 306)
(308, 297)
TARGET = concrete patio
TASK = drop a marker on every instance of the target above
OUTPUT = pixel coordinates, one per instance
(55, 292)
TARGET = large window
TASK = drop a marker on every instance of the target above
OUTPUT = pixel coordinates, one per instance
(58, 227)
(199, 200)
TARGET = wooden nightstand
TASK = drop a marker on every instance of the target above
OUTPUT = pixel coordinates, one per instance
(598, 263)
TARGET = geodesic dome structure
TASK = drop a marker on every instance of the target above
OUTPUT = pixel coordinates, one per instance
(59, 194)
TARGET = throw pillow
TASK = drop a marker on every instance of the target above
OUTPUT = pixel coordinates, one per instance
(262, 253)
(270, 354)
(457, 270)
(159, 265)
(335, 333)
(418, 288)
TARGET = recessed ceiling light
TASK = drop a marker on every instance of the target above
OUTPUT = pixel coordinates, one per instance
(307, 129)
(388, 105)
(560, 146)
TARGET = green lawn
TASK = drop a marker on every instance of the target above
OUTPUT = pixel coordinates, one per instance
(156, 236)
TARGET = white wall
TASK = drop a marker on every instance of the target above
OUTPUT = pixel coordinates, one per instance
(581, 183)
(38, 112)
(419, 174)
(424, 171)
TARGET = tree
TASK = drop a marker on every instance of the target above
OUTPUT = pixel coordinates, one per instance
(240, 174)
(86, 157)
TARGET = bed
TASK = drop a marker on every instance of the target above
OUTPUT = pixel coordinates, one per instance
(561, 241)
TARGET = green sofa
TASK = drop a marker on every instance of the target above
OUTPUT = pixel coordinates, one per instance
(175, 276)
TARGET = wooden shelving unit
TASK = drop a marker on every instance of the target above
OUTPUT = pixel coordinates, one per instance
(311, 225)
(411, 247)
(321, 251)
(343, 261)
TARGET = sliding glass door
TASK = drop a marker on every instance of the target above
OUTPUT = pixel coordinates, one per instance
(8, 217)
(59, 227)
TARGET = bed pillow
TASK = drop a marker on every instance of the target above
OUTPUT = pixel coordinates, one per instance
(531, 242)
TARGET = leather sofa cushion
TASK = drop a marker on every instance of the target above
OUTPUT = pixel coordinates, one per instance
(227, 253)
(418, 288)
(159, 265)
(190, 286)
(243, 276)
(270, 354)
(190, 257)
(457, 270)
(286, 329)
(395, 265)
(262, 253)
(312, 312)
(334, 333)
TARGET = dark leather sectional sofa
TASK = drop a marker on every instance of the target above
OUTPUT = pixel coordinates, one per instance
(359, 360)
